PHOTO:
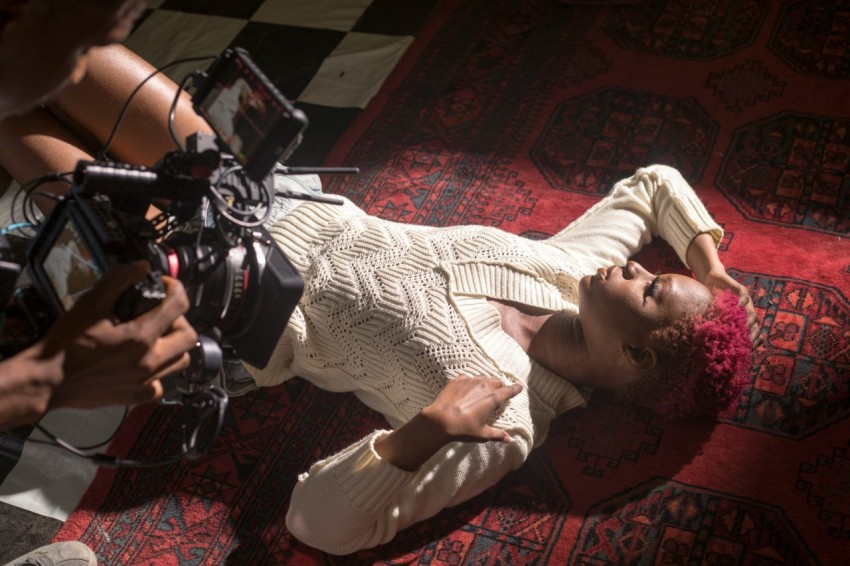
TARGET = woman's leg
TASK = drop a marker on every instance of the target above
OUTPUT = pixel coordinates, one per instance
(97, 101)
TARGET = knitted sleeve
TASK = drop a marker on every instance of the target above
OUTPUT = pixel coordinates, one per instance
(355, 500)
(656, 200)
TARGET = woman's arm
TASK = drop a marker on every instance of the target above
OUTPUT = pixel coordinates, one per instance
(656, 200)
(364, 495)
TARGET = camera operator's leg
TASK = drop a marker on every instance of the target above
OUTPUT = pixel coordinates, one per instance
(35, 144)
(97, 101)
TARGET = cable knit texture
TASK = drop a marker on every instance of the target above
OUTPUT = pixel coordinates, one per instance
(393, 311)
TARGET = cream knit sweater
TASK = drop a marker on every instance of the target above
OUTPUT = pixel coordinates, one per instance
(392, 312)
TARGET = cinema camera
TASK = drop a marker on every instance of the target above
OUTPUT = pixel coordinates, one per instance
(213, 196)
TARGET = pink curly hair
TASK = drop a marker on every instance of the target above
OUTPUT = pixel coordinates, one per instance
(704, 363)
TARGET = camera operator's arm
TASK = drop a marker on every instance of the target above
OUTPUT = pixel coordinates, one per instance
(86, 360)
(36, 143)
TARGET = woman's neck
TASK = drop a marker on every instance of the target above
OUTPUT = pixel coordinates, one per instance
(553, 340)
(559, 346)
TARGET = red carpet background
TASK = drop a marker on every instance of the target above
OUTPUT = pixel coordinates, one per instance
(521, 115)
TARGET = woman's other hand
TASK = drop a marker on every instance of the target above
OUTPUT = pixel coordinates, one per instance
(466, 405)
(462, 411)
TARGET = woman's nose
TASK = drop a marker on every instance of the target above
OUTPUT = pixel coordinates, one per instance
(633, 269)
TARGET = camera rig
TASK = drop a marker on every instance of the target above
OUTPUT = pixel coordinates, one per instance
(208, 234)
(209, 202)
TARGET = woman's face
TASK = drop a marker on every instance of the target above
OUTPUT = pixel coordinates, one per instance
(43, 49)
(623, 305)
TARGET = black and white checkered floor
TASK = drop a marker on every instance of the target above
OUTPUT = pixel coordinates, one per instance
(330, 57)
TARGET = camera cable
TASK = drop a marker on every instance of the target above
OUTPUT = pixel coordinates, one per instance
(31, 216)
(211, 404)
(102, 154)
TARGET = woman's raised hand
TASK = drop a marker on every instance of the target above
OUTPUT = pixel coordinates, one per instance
(709, 270)
(720, 280)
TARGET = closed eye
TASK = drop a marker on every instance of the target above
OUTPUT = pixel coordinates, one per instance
(651, 289)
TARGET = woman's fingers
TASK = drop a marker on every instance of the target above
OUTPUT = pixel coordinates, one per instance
(467, 405)
(752, 317)
(506, 392)
(493, 434)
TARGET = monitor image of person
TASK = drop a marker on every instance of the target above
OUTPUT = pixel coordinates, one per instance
(70, 267)
(224, 112)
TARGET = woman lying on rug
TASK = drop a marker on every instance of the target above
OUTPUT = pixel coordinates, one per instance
(410, 319)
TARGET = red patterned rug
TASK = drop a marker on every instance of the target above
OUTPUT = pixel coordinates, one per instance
(521, 115)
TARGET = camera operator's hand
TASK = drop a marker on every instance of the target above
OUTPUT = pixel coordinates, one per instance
(109, 364)
(86, 360)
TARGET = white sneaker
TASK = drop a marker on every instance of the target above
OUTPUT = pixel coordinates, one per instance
(70, 553)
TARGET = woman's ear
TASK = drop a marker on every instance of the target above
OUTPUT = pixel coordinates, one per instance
(641, 358)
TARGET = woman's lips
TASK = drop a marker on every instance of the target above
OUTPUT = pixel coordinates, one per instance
(604, 273)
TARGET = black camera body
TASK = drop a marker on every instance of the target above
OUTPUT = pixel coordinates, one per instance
(196, 216)
(242, 288)
(213, 197)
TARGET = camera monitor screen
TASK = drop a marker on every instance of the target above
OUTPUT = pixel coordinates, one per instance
(256, 123)
(69, 266)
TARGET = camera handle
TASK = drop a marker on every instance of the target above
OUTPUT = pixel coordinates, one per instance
(194, 387)
(306, 196)
(284, 170)
(317, 170)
